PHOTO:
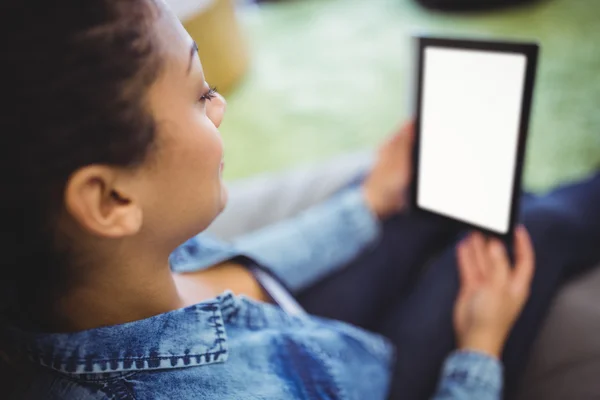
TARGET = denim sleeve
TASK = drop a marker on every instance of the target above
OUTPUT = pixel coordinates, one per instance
(470, 375)
(302, 250)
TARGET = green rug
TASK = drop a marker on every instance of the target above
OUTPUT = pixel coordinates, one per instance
(332, 76)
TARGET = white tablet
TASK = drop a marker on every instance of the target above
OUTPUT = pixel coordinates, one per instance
(473, 103)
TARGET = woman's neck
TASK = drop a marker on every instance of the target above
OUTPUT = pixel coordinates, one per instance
(115, 299)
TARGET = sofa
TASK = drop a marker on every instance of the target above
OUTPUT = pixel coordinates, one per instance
(565, 360)
(214, 26)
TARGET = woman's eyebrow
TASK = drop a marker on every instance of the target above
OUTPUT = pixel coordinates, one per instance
(193, 52)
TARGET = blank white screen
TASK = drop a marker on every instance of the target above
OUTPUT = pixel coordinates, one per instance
(470, 113)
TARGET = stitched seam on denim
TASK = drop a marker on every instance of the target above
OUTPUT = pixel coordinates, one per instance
(238, 313)
(232, 317)
(235, 312)
(227, 299)
(218, 324)
(229, 312)
(230, 308)
(37, 355)
(147, 358)
(227, 307)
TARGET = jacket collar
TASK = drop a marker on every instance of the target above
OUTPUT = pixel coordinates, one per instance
(186, 337)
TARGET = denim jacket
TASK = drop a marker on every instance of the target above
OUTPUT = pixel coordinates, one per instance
(235, 348)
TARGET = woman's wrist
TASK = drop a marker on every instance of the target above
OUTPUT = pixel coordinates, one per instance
(379, 205)
(372, 202)
(482, 343)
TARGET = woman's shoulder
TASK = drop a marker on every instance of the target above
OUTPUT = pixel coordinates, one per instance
(225, 349)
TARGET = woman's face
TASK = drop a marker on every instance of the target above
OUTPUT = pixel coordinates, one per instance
(184, 189)
(178, 191)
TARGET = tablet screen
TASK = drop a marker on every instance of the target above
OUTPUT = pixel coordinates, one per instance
(469, 130)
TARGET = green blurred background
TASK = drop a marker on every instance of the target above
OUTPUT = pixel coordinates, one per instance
(333, 76)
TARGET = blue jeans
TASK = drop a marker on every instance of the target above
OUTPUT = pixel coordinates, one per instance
(405, 287)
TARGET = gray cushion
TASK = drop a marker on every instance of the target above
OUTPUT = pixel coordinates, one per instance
(565, 363)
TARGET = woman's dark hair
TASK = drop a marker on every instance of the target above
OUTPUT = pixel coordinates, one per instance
(74, 79)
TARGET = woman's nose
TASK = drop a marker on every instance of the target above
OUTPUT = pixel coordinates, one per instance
(216, 109)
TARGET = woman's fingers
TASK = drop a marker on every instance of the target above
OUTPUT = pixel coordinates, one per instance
(525, 261)
(403, 141)
(481, 260)
(500, 264)
(401, 138)
(408, 129)
(467, 266)
(481, 255)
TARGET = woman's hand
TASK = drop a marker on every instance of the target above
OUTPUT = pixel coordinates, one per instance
(492, 293)
(385, 186)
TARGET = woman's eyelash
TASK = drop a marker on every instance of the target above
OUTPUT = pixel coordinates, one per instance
(211, 94)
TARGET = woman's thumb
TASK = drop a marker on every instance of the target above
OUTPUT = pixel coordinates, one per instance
(524, 269)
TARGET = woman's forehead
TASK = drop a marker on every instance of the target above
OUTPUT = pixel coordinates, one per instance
(175, 41)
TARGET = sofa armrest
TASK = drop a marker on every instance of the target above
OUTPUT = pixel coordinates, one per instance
(269, 198)
(565, 362)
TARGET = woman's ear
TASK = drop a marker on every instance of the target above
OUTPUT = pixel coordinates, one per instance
(102, 203)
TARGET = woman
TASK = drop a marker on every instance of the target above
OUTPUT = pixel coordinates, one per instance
(118, 162)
